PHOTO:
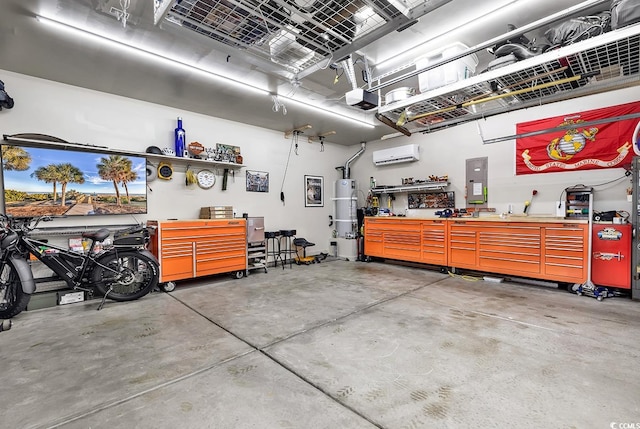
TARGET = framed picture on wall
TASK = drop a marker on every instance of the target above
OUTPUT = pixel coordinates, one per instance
(314, 191)
(257, 181)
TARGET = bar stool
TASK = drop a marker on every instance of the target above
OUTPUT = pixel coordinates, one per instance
(286, 248)
(273, 243)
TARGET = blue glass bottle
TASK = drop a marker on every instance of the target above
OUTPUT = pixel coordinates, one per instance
(180, 136)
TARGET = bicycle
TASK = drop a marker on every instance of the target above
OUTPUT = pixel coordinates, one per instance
(125, 271)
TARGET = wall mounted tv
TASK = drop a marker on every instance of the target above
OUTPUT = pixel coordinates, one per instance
(67, 182)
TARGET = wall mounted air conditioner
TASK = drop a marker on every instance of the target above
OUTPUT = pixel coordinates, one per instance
(395, 155)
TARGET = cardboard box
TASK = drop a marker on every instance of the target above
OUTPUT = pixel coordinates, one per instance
(216, 212)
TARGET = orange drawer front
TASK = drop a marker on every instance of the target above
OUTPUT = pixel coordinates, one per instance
(462, 248)
(220, 265)
(434, 249)
(565, 252)
(177, 261)
(373, 244)
(402, 245)
(514, 251)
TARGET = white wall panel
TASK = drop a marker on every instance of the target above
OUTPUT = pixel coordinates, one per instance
(85, 116)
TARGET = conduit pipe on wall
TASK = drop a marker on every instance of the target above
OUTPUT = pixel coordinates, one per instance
(346, 171)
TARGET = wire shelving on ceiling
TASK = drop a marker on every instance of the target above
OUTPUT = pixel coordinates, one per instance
(295, 34)
(602, 63)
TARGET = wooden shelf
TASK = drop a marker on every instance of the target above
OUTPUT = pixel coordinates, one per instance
(52, 144)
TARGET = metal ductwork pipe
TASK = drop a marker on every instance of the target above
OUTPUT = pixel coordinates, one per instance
(349, 71)
(346, 171)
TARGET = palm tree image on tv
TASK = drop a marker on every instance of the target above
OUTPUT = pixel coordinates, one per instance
(36, 183)
(117, 169)
(59, 173)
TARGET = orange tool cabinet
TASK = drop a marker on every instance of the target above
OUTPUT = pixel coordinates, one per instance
(411, 240)
(553, 250)
(195, 248)
(566, 252)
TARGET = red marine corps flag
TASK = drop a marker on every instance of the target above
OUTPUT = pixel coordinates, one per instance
(605, 145)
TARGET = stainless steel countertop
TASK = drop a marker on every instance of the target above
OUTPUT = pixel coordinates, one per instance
(491, 218)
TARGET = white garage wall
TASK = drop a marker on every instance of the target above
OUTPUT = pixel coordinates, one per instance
(444, 153)
(84, 116)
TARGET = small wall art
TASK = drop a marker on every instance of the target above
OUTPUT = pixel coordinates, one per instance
(314, 191)
(257, 181)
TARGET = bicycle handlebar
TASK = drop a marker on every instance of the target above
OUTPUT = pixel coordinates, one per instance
(25, 224)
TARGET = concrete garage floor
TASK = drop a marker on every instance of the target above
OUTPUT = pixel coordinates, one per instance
(332, 345)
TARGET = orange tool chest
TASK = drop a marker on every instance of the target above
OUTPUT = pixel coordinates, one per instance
(195, 248)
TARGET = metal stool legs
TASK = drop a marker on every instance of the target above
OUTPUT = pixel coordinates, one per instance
(273, 247)
(287, 249)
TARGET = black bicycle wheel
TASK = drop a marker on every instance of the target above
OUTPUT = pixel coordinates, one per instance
(13, 300)
(125, 275)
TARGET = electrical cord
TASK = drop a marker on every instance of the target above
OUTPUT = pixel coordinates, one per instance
(626, 174)
(465, 277)
(286, 167)
(278, 105)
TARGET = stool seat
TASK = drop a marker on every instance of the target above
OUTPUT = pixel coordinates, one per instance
(302, 242)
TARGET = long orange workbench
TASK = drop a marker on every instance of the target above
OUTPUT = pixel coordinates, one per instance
(545, 248)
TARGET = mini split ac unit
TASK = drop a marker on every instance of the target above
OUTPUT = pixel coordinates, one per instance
(395, 155)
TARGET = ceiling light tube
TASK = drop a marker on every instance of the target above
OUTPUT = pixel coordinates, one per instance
(99, 38)
(336, 114)
(172, 62)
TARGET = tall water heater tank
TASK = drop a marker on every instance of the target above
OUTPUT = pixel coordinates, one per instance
(346, 202)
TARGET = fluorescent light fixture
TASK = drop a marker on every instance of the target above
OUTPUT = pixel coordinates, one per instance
(329, 112)
(418, 49)
(172, 62)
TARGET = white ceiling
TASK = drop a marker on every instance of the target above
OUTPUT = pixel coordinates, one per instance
(30, 47)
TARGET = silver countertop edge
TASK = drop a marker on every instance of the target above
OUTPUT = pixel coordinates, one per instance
(523, 219)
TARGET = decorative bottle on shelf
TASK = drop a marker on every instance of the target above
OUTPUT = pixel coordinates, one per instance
(180, 136)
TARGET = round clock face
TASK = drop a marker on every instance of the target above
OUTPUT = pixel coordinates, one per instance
(206, 179)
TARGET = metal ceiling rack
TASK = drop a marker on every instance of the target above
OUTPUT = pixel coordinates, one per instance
(602, 63)
(295, 34)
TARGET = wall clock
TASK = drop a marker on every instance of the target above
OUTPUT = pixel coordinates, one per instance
(206, 179)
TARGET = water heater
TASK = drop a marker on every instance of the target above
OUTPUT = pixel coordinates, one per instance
(346, 208)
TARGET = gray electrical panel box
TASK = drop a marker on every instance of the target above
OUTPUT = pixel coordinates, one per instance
(476, 180)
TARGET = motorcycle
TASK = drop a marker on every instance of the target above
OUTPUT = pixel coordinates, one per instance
(124, 271)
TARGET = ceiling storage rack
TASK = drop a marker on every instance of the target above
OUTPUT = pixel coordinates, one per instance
(427, 186)
(50, 142)
(297, 35)
(598, 64)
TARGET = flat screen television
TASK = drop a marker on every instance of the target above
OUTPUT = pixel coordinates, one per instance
(67, 182)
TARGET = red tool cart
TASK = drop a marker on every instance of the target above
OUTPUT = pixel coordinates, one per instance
(611, 255)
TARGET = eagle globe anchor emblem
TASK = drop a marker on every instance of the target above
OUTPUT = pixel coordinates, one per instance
(573, 142)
